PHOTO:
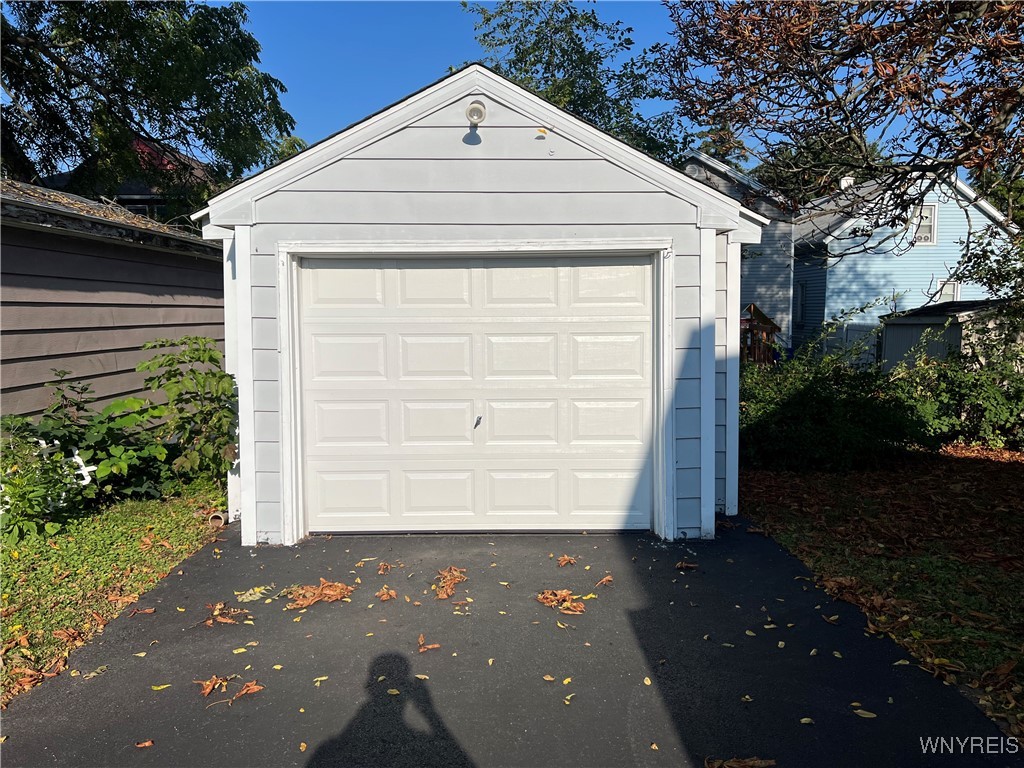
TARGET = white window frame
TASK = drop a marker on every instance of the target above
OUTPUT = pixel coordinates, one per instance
(918, 214)
(294, 521)
(942, 286)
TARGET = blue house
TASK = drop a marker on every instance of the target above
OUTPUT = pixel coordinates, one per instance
(843, 259)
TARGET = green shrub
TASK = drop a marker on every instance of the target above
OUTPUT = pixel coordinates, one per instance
(38, 486)
(201, 416)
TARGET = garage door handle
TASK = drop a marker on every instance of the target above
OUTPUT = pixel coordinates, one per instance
(478, 420)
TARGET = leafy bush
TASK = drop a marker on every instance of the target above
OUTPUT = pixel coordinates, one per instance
(975, 395)
(38, 487)
(201, 415)
(125, 447)
(826, 409)
(820, 411)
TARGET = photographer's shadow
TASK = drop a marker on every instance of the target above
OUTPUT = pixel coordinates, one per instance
(379, 735)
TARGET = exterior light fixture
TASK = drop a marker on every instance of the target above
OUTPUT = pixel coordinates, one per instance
(476, 112)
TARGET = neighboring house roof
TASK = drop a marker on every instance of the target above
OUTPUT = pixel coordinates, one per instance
(465, 81)
(826, 218)
(40, 208)
(942, 311)
(756, 188)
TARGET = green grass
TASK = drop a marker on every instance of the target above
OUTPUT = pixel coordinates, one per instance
(62, 584)
(929, 550)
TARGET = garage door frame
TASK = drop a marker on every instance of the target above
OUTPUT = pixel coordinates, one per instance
(295, 524)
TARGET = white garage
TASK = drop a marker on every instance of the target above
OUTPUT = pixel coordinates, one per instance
(474, 312)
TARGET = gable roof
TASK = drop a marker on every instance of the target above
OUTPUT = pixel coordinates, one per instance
(233, 206)
(39, 207)
(824, 219)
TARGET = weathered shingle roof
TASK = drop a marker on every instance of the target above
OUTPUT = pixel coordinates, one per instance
(940, 311)
(40, 206)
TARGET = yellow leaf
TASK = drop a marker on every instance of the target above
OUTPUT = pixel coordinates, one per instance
(750, 634)
(837, 654)
(252, 643)
(369, 634)
(490, 662)
(160, 687)
(248, 666)
(253, 623)
(302, 747)
(140, 654)
(864, 713)
(854, 703)
(240, 650)
(586, 567)
(746, 697)
(503, 583)
(814, 652)
(900, 663)
(647, 681)
(268, 600)
(567, 681)
(318, 680)
(394, 691)
(369, 606)
(728, 645)
(782, 644)
(591, 596)
(15, 628)
(278, 666)
(422, 677)
(806, 721)
(297, 618)
(180, 610)
(14, 554)
(568, 698)
(75, 673)
(549, 678)
(654, 746)
(302, 709)
(502, 613)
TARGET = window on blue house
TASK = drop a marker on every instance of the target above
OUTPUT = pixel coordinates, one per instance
(949, 290)
(924, 225)
(799, 302)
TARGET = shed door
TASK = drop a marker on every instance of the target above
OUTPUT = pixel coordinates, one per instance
(468, 395)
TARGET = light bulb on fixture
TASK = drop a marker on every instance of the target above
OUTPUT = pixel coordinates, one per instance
(476, 112)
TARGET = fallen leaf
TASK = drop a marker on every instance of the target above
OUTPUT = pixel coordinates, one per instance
(647, 681)
(605, 581)
(160, 687)
(394, 691)
(140, 611)
(240, 650)
(490, 662)
(682, 565)
(654, 746)
(248, 688)
(278, 666)
(837, 654)
(383, 568)
(561, 600)
(318, 680)
(806, 721)
(384, 594)
(549, 678)
(447, 579)
(302, 746)
(251, 594)
(747, 698)
(864, 713)
(568, 698)
(180, 610)
(567, 681)
(814, 652)
(326, 591)
(565, 560)
(144, 744)
(900, 663)
(782, 644)
(422, 677)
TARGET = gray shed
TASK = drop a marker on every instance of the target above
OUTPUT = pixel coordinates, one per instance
(943, 322)
(473, 311)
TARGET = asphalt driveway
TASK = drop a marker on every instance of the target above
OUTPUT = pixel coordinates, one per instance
(720, 661)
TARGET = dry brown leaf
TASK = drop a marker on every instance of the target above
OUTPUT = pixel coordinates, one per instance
(562, 601)
(549, 678)
(327, 592)
(682, 565)
(139, 611)
(215, 682)
(565, 560)
(383, 568)
(384, 594)
(144, 744)
(251, 687)
(447, 579)
(605, 581)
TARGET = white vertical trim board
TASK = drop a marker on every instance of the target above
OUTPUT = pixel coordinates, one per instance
(732, 383)
(294, 521)
(244, 377)
(708, 252)
(234, 479)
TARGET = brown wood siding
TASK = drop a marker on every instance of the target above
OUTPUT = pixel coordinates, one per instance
(87, 306)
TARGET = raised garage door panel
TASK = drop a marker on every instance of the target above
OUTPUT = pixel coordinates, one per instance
(476, 395)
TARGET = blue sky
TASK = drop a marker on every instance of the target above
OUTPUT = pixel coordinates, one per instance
(342, 61)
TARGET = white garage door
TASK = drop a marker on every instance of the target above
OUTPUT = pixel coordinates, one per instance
(476, 395)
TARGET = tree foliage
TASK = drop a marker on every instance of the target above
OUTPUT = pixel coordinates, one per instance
(566, 53)
(938, 87)
(87, 82)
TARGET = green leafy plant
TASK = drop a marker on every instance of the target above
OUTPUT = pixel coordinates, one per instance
(38, 485)
(201, 415)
